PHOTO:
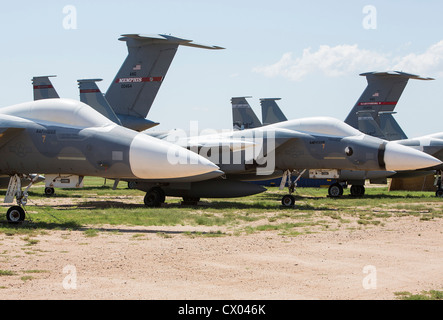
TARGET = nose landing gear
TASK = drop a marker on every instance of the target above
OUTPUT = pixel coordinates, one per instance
(288, 200)
(16, 214)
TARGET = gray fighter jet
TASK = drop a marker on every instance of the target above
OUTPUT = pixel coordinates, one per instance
(271, 113)
(372, 114)
(69, 139)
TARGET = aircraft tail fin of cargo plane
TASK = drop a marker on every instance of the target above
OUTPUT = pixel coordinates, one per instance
(372, 113)
(43, 88)
(136, 84)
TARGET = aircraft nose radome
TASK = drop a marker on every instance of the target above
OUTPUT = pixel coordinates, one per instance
(151, 158)
(398, 157)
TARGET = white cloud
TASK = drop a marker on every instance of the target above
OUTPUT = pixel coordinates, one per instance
(350, 59)
(430, 62)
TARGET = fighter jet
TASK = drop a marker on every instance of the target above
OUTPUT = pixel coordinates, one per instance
(68, 138)
(271, 113)
(372, 114)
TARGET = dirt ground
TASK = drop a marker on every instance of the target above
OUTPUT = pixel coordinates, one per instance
(405, 254)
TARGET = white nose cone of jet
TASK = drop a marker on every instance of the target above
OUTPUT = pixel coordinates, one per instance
(152, 158)
(398, 157)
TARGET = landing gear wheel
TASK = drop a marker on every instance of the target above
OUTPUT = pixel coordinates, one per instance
(439, 193)
(288, 200)
(15, 214)
(49, 191)
(335, 190)
(357, 190)
(154, 197)
(132, 184)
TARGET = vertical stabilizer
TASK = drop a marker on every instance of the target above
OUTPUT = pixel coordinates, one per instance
(390, 127)
(43, 88)
(92, 96)
(368, 125)
(136, 84)
(271, 112)
(243, 116)
(378, 102)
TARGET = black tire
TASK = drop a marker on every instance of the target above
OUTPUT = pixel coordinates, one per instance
(335, 190)
(15, 214)
(49, 191)
(357, 190)
(132, 185)
(439, 193)
(288, 200)
(154, 197)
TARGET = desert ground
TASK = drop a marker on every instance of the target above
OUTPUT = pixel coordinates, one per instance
(344, 261)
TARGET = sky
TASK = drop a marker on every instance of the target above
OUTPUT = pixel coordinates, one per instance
(308, 53)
